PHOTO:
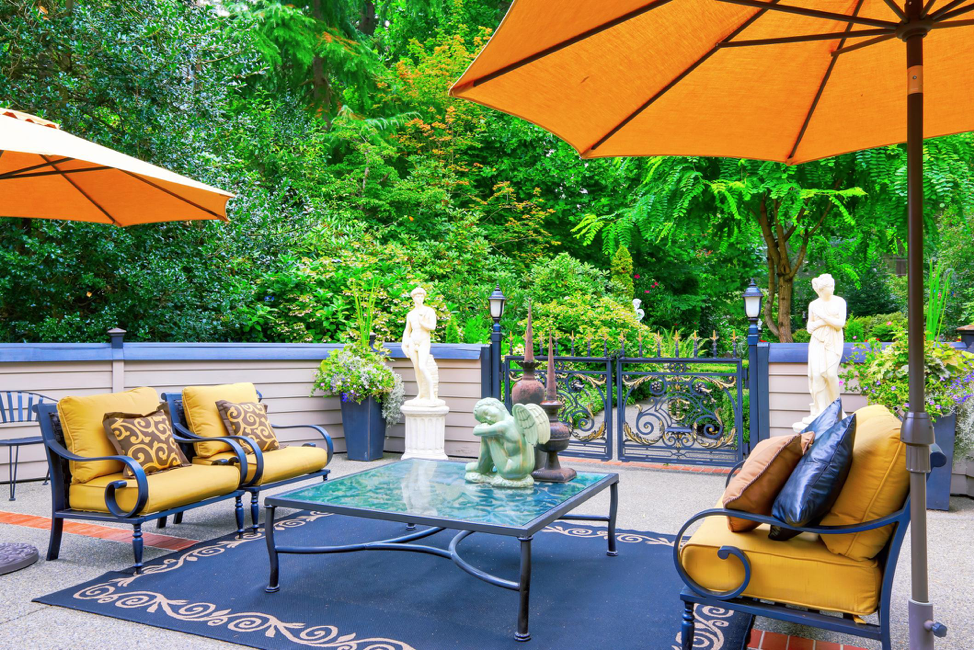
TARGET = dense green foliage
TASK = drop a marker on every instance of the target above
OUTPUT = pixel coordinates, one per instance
(331, 122)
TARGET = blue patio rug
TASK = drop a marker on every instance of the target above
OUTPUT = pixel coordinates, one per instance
(580, 598)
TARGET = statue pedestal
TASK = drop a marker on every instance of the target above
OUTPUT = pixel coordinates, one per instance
(425, 430)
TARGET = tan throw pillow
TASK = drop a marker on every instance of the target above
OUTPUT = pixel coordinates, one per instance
(766, 470)
(248, 419)
(147, 439)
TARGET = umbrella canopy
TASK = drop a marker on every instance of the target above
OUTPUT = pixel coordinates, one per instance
(785, 81)
(697, 77)
(46, 173)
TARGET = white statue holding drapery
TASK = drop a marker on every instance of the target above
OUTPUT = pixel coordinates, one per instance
(826, 319)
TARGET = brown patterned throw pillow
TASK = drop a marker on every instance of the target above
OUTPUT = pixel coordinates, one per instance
(764, 473)
(248, 419)
(148, 439)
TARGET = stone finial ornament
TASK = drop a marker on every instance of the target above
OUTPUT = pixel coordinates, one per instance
(552, 471)
(506, 443)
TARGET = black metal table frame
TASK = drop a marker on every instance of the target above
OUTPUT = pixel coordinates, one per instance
(524, 535)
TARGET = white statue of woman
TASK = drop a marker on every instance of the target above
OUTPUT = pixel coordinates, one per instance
(420, 322)
(826, 318)
(640, 313)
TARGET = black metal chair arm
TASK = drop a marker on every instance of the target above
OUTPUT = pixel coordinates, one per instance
(320, 430)
(236, 444)
(110, 501)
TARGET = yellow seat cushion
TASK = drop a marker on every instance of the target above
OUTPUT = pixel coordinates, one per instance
(876, 487)
(170, 489)
(801, 571)
(280, 464)
(82, 420)
(204, 419)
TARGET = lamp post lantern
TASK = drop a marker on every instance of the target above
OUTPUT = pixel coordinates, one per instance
(496, 301)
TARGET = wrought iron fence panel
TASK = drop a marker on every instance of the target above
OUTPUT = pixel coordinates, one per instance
(585, 388)
(680, 410)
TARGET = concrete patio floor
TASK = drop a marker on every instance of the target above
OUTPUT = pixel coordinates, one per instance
(653, 500)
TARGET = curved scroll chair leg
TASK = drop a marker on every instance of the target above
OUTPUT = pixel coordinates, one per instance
(686, 628)
(273, 583)
(54, 546)
(137, 545)
(161, 522)
(238, 512)
(177, 518)
(254, 510)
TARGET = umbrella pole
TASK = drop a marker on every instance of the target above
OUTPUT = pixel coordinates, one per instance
(917, 432)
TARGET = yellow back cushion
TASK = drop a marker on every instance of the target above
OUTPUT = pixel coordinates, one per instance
(203, 418)
(84, 432)
(876, 487)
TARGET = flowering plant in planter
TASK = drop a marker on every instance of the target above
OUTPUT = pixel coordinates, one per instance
(358, 371)
(883, 375)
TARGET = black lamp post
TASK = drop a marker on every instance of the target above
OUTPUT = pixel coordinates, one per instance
(753, 297)
(496, 302)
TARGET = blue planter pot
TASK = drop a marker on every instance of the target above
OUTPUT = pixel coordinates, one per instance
(938, 486)
(365, 430)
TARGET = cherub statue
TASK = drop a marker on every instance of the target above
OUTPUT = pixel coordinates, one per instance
(507, 443)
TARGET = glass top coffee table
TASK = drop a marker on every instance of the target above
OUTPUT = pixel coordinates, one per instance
(433, 493)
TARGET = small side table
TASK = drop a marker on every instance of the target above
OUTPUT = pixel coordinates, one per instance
(13, 446)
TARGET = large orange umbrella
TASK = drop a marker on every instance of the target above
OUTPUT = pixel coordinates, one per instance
(47, 173)
(789, 81)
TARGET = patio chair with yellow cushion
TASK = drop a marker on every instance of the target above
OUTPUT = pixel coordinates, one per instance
(830, 576)
(210, 414)
(114, 457)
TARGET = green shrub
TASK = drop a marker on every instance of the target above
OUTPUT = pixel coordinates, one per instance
(855, 330)
(621, 274)
(601, 320)
(451, 331)
(476, 329)
(885, 327)
(801, 336)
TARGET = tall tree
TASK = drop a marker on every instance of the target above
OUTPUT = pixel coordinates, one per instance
(788, 209)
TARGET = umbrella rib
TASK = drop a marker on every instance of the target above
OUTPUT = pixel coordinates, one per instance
(947, 7)
(175, 196)
(810, 38)
(955, 13)
(569, 42)
(927, 7)
(815, 13)
(896, 9)
(821, 87)
(859, 46)
(33, 167)
(747, 23)
(953, 23)
(66, 171)
(81, 191)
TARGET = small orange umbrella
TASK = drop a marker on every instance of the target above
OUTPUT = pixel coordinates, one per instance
(786, 81)
(46, 173)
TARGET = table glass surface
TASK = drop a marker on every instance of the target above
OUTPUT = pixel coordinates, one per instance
(437, 489)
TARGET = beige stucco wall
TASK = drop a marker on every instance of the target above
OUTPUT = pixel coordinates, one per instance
(285, 385)
(788, 399)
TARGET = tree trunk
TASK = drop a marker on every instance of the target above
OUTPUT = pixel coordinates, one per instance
(368, 21)
(785, 289)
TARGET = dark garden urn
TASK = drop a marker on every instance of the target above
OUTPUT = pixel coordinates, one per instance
(365, 430)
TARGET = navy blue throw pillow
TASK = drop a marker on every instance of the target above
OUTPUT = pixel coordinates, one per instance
(826, 419)
(814, 485)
